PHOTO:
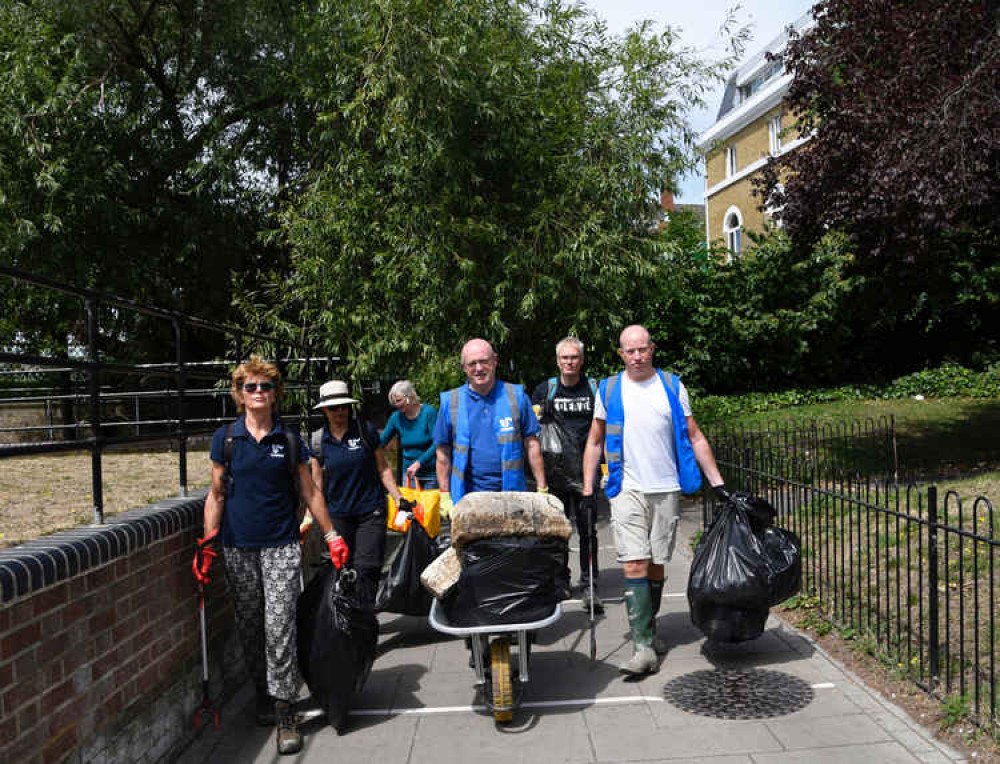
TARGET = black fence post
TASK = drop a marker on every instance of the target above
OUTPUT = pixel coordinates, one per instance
(94, 384)
(181, 419)
(933, 606)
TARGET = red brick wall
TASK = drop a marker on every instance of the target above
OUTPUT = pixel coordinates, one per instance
(81, 657)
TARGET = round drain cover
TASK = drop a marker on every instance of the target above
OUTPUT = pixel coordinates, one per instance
(738, 694)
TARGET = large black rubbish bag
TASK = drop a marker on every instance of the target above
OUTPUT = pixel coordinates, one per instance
(507, 580)
(562, 456)
(729, 587)
(337, 637)
(784, 559)
(400, 590)
(759, 511)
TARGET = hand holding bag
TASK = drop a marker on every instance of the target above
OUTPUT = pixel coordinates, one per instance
(430, 509)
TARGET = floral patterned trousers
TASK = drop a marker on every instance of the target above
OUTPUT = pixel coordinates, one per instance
(264, 586)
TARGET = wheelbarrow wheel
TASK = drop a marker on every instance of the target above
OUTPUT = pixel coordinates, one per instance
(502, 685)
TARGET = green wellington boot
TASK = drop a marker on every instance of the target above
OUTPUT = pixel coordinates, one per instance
(639, 605)
(656, 595)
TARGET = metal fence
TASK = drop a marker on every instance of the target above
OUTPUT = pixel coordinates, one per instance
(92, 401)
(907, 573)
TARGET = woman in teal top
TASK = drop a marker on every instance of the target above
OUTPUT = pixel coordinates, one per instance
(413, 423)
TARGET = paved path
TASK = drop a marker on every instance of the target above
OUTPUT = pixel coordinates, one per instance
(419, 703)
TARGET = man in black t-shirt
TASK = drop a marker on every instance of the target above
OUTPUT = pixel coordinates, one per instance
(568, 401)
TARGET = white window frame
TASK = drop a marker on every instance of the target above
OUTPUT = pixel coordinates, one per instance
(730, 161)
(733, 233)
(774, 134)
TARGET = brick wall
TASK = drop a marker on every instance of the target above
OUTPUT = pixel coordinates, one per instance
(100, 656)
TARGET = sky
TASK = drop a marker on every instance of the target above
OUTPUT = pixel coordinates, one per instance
(699, 22)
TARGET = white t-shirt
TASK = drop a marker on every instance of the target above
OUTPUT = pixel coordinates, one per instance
(648, 457)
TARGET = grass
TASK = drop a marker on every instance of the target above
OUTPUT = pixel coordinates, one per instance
(51, 492)
(949, 439)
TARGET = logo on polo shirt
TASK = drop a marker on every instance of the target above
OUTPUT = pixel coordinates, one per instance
(354, 443)
(277, 451)
(506, 424)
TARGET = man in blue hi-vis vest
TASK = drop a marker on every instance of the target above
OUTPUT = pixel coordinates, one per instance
(643, 423)
(484, 431)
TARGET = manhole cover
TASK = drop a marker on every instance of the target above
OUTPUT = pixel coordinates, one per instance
(743, 694)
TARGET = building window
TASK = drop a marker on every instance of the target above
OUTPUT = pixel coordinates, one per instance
(774, 133)
(730, 161)
(768, 73)
(732, 228)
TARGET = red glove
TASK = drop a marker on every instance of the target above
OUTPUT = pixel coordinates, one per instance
(338, 550)
(204, 556)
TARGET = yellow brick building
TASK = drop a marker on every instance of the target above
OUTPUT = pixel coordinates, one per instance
(751, 128)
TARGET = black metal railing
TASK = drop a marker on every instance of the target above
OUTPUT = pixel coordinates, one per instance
(907, 574)
(173, 401)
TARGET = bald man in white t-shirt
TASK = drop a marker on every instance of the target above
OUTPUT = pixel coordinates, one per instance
(642, 419)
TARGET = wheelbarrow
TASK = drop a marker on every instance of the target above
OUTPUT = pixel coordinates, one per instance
(500, 688)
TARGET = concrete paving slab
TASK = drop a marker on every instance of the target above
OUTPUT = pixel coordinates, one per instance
(629, 734)
(878, 753)
(820, 732)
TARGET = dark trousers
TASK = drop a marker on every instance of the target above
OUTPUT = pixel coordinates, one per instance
(586, 528)
(365, 538)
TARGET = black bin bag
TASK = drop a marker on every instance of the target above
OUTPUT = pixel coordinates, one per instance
(562, 457)
(400, 590)
(337, 637)
(729, 587)
(784, 559)
(507, 580)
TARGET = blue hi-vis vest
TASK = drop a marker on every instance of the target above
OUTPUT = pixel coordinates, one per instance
(688, 474)
(511, 453)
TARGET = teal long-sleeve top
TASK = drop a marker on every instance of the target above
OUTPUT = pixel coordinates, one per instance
(416, 436)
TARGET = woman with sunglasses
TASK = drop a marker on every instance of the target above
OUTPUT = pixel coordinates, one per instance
(252, 508)
(350, 465)
(413, 423)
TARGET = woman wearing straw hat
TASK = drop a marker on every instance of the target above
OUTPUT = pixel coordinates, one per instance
(350, 466)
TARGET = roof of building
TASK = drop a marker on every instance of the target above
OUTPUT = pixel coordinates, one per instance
(766, 81)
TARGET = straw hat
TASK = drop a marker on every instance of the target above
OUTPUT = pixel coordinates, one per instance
(333, 393)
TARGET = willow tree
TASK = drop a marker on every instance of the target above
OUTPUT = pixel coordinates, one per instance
(479, 168)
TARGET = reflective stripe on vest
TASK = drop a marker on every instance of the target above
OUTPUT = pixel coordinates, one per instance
(688, 474)
(511, 454)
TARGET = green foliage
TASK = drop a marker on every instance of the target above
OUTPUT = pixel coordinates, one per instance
(142, 146)
(479, 168)
(946, 381)
(955, 709)
(760, 321)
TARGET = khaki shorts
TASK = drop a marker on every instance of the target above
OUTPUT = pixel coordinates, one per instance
(645, 525)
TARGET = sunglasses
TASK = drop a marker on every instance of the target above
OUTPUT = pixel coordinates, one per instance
(251, 387)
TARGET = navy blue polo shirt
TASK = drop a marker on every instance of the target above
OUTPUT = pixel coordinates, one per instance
(261, 506)
(351, 483)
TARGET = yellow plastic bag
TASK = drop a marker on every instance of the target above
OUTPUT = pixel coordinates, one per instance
(429, 501)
